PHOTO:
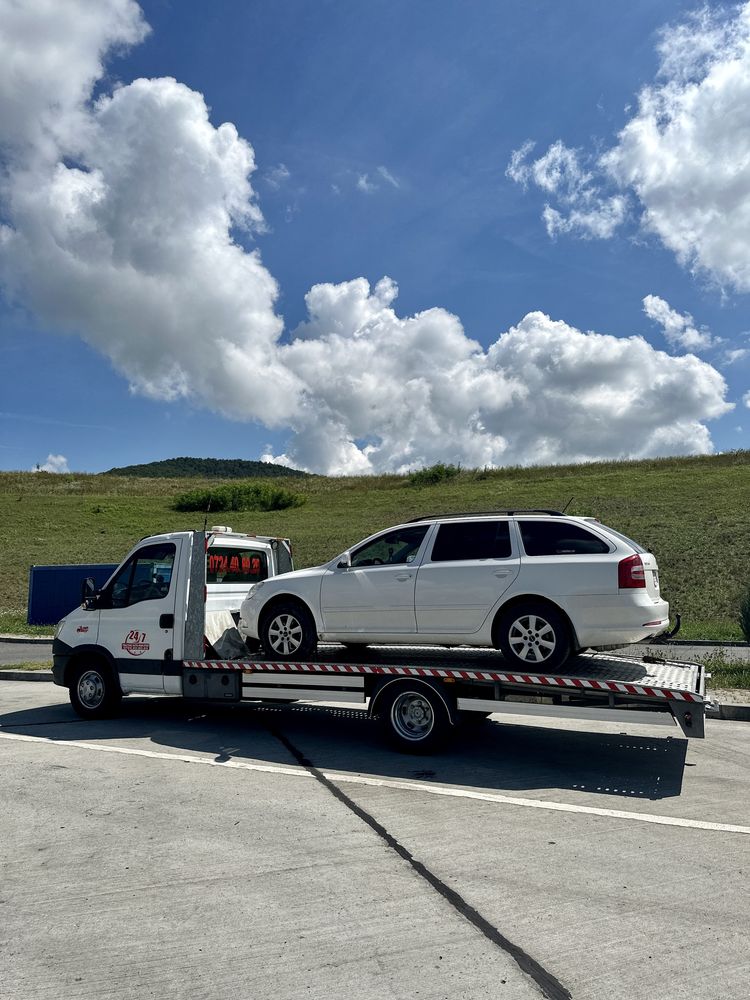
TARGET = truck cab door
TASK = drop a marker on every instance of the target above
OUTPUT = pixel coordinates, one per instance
(137, 615)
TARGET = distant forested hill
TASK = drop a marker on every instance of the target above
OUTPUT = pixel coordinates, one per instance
(207, 468)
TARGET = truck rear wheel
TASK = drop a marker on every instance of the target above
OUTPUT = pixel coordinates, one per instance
(415, 718)
(94, 692)
(288, 632)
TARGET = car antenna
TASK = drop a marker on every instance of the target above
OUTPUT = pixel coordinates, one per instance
(567, 505)
(208, 508)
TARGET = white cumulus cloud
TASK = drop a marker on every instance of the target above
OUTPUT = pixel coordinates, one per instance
(679, 328)
(122, 218)
(559, 172)
(390, 392)
(54, 463)
(388, 177)
(365, 185)
(684, 155)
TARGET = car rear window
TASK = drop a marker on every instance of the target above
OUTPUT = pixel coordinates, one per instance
(628, 541)
(559, 538)
(472, 540)
(235, 565)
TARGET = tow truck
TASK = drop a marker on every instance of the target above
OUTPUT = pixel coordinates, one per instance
(165, 624)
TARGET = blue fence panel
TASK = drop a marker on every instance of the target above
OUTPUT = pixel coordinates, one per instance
(56, 590)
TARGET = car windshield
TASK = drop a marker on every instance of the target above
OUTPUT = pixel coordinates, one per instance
(398, 546)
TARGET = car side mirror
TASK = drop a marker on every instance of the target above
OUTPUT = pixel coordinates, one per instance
(345, 562)
(89, 593)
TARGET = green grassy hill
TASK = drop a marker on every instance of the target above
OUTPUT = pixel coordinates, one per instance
(207, 468)
(693, 512)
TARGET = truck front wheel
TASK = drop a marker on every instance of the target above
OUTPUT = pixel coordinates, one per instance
(287, 632)
(94, 692)
(415, 718)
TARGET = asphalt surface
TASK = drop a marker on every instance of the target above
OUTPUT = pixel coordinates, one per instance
(284, 852)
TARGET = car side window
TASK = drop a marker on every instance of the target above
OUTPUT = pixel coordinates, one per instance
(559, 538)
(472, 540)
(147, 576)
(392, 548)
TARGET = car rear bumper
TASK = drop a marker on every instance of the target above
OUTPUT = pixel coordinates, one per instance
(618, 619)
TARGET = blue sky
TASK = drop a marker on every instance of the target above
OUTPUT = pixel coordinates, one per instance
(380, 137)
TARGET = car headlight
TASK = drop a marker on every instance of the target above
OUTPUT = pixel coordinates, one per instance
(59, 628)
(254, 588)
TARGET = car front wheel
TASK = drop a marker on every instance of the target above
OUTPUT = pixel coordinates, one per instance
(534, 636)
(288, 632)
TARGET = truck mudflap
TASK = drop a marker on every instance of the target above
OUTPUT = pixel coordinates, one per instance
(600, 687)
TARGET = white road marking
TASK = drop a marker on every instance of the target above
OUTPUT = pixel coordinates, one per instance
(410, 786)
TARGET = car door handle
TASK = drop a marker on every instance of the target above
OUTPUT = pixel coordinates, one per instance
(404, 576)
(166, 621)
(502, 572)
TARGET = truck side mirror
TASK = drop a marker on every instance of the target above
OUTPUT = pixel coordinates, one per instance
(345, 561)
(88, 592)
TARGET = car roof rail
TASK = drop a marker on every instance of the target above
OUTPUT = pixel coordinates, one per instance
(486, 513)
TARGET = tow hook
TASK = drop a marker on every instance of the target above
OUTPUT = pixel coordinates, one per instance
(671, 633)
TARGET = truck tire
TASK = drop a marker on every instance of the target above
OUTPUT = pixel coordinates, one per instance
(414, 717)
(94, 691)
(534, 636)
(288, 632)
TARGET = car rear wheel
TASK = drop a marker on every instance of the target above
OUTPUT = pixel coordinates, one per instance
(288, 632)
(534, 636)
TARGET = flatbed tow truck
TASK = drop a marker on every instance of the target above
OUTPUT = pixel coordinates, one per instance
(420, 694)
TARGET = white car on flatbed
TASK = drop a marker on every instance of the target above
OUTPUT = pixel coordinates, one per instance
(538, 585)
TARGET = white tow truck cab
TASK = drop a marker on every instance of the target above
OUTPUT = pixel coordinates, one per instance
(136, 623)
(146, 631)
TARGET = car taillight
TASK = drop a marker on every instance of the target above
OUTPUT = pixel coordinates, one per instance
(631, 573)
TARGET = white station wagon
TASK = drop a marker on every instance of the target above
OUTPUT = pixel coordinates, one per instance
(538, 585)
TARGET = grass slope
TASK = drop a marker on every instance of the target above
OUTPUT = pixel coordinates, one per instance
(693, 512)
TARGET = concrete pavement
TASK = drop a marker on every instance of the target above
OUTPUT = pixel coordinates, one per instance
(281, 852)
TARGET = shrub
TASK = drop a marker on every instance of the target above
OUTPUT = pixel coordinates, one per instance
(744, 616)
(243, 496)
(433, 474)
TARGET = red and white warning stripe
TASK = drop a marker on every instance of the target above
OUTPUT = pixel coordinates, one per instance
(538, 680)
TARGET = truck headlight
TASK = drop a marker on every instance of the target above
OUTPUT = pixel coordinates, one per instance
(59, 627)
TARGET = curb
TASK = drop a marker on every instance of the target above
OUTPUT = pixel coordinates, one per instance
(731, 713)
(25, 675)
(692, 642)
(31, 639)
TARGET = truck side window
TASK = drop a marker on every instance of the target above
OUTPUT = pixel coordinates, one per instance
(146, 576)
(559, 538)
(472, 540)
